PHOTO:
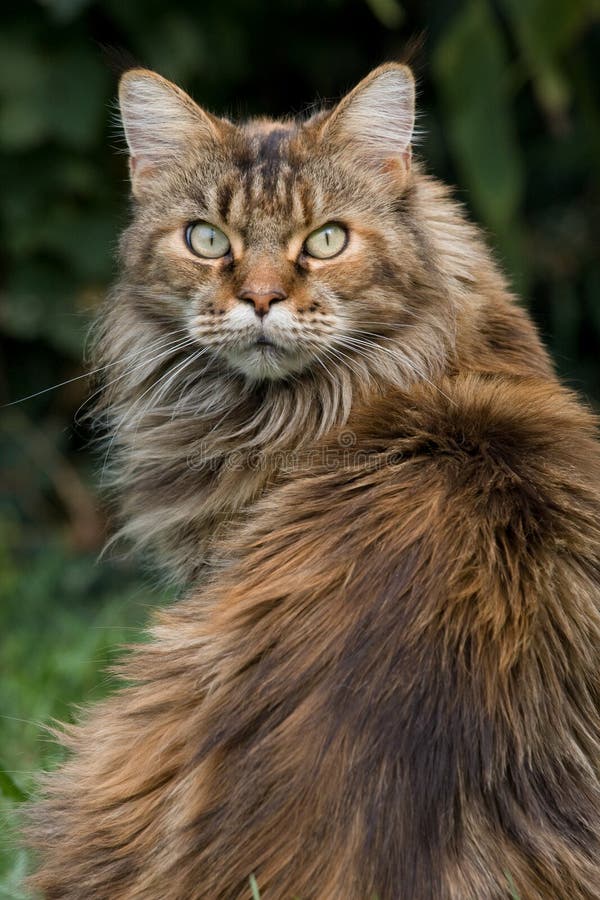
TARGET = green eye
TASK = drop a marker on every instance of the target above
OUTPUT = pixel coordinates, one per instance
(207, 240)
(326, 241)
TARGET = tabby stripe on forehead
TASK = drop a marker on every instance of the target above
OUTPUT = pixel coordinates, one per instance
(304, 195)
(248, 186)
(270, 147)
(288, 191)
(224, 200)
(269, 163)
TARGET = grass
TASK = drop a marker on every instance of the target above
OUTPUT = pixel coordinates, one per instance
(63, 617)
(514, 895)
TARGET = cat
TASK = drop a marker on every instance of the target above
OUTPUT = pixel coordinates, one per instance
(332, 423)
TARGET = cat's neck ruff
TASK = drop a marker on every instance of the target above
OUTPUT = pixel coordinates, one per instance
(188, 465)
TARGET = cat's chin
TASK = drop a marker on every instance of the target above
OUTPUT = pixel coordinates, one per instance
(267, 362)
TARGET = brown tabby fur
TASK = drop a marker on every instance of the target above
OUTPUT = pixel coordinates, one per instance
(387, 684)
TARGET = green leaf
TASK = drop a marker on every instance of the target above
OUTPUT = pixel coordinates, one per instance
(44, 94)
(77, 92)
(13, 871)
(181, 50)
(38, 303)
(544, 29)
(389, 12)
(565, 315)
(470, 66)
(23, 110)
(66, 10)
(9, 787)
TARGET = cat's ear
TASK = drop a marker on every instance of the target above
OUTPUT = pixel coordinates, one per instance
(160, 122)
(375, 121)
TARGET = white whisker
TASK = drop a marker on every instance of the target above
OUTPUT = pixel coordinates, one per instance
(165, 351)
(359, 348)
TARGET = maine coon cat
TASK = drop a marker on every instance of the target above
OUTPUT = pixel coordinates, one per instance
(331, 421)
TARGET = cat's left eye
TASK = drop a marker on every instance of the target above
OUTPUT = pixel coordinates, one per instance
(207, 240)
(327, 241)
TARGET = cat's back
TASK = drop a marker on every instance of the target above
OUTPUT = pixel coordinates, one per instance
(397, 662)
(417, 626)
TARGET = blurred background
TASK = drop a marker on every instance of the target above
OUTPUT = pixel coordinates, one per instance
(510, 113)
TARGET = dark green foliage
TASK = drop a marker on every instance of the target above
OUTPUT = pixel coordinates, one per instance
(510, 112)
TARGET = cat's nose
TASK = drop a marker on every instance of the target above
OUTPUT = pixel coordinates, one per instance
(262, 300)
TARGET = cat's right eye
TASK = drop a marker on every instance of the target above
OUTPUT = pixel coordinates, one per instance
(206, 240)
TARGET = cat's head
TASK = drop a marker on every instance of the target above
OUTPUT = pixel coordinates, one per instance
(279, 247)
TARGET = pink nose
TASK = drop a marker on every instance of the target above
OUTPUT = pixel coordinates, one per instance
(262, 300)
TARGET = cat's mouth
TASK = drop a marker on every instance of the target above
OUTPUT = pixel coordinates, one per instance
(263, 358)
(269, 348)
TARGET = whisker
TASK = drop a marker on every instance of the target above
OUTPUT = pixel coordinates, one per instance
(335, 352)
(179, 368)
(165, 351)
(418, 372)
(60, 384)
(377, 334)
(128, 414)
(164, 389)
(321, 363)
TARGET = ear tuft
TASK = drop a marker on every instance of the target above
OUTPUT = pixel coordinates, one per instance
(159, 121)
(377, 118)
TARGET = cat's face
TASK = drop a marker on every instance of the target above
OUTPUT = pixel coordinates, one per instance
(278, 247)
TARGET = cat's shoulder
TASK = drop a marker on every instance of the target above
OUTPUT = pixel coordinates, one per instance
(464, 459)
(482, 420)
(485, 448)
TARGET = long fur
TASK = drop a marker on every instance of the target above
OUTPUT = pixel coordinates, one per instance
(384, 680)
